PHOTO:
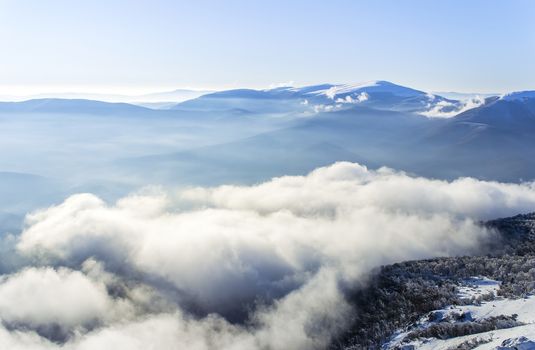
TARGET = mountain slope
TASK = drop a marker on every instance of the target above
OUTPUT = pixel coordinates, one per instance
(72, 106)
(376, 94)
(439, 303)
(503, 113)
(493, 141)
(358, 134)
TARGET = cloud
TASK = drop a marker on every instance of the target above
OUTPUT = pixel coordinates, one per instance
(325, 108)
(59, 302)
(445, 109)
(47, 296)
(331, 92)
(362, 97)
(351, 187)
(241, 267)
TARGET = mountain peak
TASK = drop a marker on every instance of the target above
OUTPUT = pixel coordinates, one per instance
(369, 87)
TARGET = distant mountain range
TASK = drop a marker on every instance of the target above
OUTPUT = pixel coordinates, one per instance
(375, 94)
(376, 123)
(73, 106)
(157, 98)
(379, 123)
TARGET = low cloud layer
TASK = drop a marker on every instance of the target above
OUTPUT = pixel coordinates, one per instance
(233, 267)
(445, 109)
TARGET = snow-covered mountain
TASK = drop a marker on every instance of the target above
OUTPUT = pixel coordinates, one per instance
(491, 141)
(308, 100)
(518, 96)
(375, 123)
(486, 319)
(515, 112)
(326, 97)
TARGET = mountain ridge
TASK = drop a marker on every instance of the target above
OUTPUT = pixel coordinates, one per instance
(379, 94)
(69, 106)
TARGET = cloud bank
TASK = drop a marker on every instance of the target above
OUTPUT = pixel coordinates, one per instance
(233, 267)
(445, 109)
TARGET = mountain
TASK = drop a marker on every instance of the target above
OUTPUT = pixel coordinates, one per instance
(493, 141)
(519, 96)
(512, 112)
(246, 100)
(37, 190)
(375, 94)
(71, 106)
(80, 107)
(452, 303)
(251, 135)
(175, 96)
(461, 96)
(358, 134)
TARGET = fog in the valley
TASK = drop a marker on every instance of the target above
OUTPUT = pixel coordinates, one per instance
(231, 267)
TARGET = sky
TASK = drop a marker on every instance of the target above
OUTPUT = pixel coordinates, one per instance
(135, 46)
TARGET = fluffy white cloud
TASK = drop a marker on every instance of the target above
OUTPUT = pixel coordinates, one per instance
(277, 250)
(168, 331)
(445, 109)
(41, 296)
(295, 322)
(349, 186)
(24, 340)
(363, 96)
(326, 108)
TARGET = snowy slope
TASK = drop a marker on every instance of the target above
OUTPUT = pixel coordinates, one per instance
(377, 86)
(519, 95)
(377, 94)
(517, 337)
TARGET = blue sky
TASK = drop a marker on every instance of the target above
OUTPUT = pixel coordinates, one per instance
(130, 46)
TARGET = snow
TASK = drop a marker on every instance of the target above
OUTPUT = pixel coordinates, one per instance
(520, 338)
(345, 89)
(519, 95)
(520, 343)
(524, 308)
(333, 91)
(368, 87)
(498, 339)
(476, 286)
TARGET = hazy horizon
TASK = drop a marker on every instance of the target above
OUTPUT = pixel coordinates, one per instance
(118, 94)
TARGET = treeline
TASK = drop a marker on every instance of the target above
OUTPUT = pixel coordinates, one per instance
(445, 330)
(400, 294)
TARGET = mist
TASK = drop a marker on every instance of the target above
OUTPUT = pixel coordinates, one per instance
(264, 266)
